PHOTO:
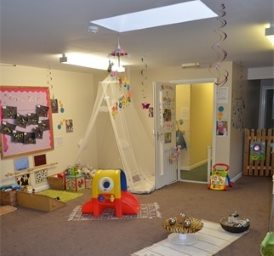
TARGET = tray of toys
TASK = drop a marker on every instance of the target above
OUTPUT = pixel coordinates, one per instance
(182, 224)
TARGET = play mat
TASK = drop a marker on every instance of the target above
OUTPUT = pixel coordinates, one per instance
(64, 196)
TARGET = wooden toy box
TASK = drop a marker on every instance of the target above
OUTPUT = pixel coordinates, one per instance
(8, 197)
(56, 182)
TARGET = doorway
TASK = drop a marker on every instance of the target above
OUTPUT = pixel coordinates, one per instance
(266, 117)
(191, 126)
(194, 129)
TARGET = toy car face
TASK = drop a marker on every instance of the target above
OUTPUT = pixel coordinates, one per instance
(106, 184)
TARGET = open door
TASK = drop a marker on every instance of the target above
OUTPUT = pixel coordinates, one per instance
(165, 134)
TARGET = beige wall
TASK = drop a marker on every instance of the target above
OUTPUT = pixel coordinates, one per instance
(237, 118)
(77, 92)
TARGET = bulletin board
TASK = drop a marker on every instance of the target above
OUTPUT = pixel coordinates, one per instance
(25, 120)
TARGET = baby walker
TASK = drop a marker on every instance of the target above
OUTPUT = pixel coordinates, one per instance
(219, 178)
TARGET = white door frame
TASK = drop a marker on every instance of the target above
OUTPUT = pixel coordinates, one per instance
(165, 172)
(211, 151)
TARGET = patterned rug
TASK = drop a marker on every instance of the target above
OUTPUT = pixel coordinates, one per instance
(147, 211)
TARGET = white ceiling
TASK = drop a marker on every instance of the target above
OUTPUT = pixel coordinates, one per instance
(37, 32)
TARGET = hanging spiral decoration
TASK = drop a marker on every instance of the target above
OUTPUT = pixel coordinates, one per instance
(50, 82)
(143, 74)
(221, 73)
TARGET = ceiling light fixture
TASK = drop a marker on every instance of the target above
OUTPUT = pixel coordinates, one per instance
(161, 16)
(269, 33)
(93, 29)
(89, 61)
(63, 58)
(191, 65)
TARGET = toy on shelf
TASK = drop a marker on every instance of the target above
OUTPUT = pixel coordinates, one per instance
(109, 190)
(77, 178)
(75, 182)
(219, 178)
(57, 181)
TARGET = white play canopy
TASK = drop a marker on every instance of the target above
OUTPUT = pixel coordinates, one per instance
(134, 144)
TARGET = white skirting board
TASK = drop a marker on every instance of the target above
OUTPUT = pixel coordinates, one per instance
(208, 241)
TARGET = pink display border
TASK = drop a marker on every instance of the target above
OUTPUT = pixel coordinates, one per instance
(26, 89)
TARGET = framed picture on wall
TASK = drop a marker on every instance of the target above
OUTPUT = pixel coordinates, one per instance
(25, 120)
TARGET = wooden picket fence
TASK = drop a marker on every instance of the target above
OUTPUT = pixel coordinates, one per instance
(263, 166)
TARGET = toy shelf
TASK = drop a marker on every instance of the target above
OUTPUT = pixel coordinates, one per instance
(31, 170)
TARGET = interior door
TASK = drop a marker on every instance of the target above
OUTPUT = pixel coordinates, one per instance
(165, 133)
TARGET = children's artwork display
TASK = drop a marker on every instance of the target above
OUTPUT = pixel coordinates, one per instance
(257, 151)
(167, 107)
(54, 105)
(69, 125)
(221, 122)
(25, 120)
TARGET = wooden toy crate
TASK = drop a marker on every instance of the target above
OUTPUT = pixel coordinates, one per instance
(75, 183)
(56, 182)
(88, 183)
(8, 198)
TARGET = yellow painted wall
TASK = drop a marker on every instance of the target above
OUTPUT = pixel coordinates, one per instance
(194, 105)
(183, 113)
(201, 121)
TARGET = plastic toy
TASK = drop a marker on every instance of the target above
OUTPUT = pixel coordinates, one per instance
(109, 190)
(219, 178)
(267, 245)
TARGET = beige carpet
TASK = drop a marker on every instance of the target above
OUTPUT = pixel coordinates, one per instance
(208, 241)
(33, 233)
(7, 209)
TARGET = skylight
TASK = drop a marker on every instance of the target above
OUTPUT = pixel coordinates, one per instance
(161, 16)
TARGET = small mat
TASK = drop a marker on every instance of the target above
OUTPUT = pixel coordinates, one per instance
(64, 196)
(208, 241)
(147, 211)
(7, 209)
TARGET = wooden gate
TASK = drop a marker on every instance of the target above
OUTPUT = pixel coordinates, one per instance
(258, 152)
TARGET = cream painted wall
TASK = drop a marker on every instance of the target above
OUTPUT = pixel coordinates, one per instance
(77, 92)
(238, 117)
(221, 147)
(260, 73)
